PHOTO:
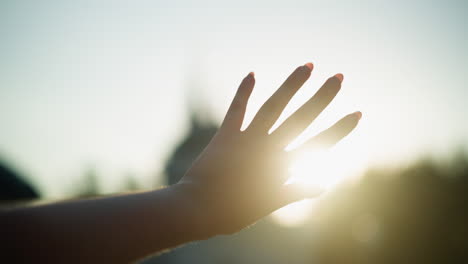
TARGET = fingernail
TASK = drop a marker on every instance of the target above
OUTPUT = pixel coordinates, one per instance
(339, 76)
(250, 76)
(358, 114)
(309, 65)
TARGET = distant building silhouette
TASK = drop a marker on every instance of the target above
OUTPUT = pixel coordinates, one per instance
(200, 134)
(202, 129)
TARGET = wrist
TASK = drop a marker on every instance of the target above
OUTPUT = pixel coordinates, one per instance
(189, 208)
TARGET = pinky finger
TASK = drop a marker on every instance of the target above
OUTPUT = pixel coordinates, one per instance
(335, 133)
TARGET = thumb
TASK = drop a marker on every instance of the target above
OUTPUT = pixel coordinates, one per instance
(294, 192)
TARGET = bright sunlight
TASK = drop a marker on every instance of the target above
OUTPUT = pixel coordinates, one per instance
(323, 169)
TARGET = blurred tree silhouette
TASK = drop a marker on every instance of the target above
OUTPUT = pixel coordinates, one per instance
(14, 187)
(88, 185)
(416, 214)
(130, 183)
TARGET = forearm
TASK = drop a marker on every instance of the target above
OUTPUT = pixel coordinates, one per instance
(114, 229)
(237, 179)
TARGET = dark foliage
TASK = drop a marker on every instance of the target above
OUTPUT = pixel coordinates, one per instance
(13, 187)
(416, 214)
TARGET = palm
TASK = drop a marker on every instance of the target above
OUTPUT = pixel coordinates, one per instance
(240, 175)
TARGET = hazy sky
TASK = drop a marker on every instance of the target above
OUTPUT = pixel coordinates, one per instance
(105, 83)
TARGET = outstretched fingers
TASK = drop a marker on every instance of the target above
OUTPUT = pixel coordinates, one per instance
(335, 133)
(236, 112)
(307, 113)
(272, 108)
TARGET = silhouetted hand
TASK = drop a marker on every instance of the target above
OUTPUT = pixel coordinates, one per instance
(237, 179)
(240, 176)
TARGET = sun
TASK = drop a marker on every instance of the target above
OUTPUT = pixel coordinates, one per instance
(320, 168)
(316, 169)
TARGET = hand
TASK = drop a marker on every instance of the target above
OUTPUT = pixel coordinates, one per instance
(240, 176)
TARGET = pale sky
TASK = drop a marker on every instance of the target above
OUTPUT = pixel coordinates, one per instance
(105, 83)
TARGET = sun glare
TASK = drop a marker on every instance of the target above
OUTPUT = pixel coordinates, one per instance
(312, 169)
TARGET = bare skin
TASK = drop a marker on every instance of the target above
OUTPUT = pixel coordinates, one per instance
(238, 179)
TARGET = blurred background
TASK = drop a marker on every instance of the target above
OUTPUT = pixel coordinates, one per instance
(99, 97)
